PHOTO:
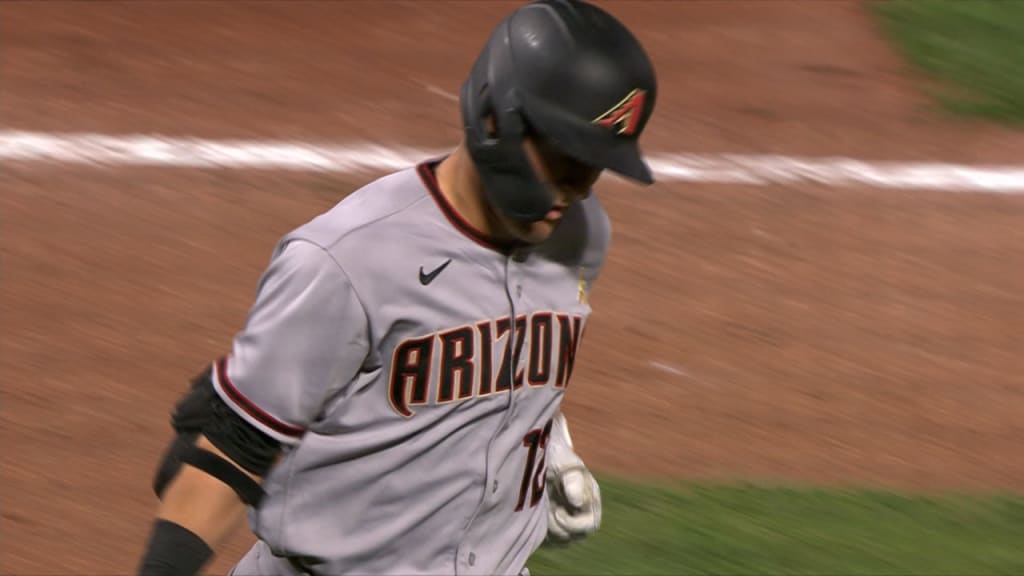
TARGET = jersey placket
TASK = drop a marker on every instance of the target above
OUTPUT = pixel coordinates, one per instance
(514, 279)
(466, 559)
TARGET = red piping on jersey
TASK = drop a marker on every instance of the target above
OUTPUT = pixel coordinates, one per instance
(251, 409)
(426, 172)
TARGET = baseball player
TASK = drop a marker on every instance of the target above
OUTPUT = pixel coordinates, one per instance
(391, 405)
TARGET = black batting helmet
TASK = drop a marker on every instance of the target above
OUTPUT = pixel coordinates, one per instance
(569, 72)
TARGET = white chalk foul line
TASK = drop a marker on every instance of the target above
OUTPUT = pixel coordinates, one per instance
(141, 150)
(136, 150)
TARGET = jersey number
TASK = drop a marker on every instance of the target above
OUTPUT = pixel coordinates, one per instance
(535, 442)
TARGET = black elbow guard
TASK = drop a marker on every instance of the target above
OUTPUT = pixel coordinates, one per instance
(202, 411)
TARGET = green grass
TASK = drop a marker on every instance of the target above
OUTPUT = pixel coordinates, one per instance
(974, 48)
(747, 530)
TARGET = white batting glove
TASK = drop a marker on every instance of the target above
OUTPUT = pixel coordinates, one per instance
(574, 497)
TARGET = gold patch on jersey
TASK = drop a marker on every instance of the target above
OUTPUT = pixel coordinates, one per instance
(581, 291)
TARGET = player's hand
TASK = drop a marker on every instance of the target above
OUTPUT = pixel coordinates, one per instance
(574, 497)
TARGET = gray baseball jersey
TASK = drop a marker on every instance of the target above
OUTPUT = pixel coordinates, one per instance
(411, 368)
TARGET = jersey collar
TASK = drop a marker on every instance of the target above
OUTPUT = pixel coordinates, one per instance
(427, 173)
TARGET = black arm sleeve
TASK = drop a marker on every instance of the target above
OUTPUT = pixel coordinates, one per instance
(240, 441)
(201, 411)
(173, 550)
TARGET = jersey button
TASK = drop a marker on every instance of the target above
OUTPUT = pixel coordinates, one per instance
(472, 559)
(494, 487)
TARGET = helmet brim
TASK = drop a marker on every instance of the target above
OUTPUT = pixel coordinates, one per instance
(588, 143)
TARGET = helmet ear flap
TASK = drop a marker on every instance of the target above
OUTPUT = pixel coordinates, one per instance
(500, 156)
(495, 126)
(480, 116)
(494, 135)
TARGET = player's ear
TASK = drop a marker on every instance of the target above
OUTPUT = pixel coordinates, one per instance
(490, 119)
(492, 125)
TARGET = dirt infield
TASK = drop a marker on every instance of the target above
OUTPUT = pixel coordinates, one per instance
(800, 333)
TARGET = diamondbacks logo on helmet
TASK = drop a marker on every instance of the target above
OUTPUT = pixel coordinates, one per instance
(626, 114)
